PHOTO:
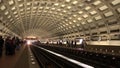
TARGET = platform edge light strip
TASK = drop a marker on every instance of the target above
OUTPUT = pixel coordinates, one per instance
(66, 58)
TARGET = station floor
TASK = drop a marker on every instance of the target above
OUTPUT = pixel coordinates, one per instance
(22, 59)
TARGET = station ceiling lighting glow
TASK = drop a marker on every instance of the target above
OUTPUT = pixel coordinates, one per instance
(44, 18)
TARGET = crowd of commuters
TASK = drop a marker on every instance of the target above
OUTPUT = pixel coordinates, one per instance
(10, 44)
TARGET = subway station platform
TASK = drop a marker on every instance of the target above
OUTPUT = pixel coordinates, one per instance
(22, 59)
(47, 56)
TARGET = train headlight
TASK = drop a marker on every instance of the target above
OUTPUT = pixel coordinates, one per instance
(29, 42)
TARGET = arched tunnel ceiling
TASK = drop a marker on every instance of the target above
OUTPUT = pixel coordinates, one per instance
(56, 17)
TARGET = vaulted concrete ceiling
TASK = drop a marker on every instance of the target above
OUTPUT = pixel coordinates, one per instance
(49, 18)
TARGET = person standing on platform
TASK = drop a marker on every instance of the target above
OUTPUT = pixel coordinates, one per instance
(1, 45)
(8, 45)
(17, 43)
(13, 45)
(83, 44)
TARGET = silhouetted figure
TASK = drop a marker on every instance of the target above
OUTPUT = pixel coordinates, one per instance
(13, 45)
(75, 43)
(71, 43)
(17, 43)
(83, 44)
(1, 45)
(7, 45)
